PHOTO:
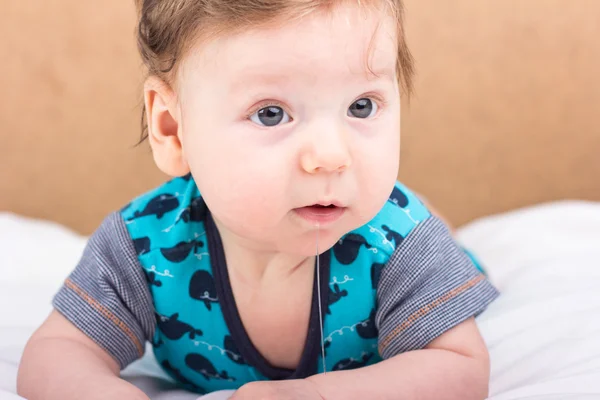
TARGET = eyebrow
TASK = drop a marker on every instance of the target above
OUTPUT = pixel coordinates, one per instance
(389, 73)
(246, 81)
(262, 77)
(257, 77)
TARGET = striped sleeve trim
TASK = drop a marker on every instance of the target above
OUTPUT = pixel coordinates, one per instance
(107, 314)
(423, 311)
(429, 286)
(96, 323)
(107, 296)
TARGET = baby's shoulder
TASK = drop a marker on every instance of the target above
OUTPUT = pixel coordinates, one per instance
(161, 209)
(401, 214)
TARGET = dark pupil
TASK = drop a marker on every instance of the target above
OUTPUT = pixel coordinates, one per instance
(361, 108)
(270, 116)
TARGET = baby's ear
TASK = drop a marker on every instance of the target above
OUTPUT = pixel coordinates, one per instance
(164, 127)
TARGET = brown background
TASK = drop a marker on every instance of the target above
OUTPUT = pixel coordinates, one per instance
(506, 111)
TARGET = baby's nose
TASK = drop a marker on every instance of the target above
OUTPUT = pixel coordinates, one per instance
(328, 152)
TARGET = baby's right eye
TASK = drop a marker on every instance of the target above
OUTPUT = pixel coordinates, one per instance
(270, 116)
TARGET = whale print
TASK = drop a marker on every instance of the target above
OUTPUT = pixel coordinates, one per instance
(202, 287)
(367, 328)
(392, 236)
(151, 279)
(376, 269)
(158, 206)
(346, 249)
(232, 351)
(174, 329)
(181, 250)
(202, 365)
(335, 295)
(180, 378)
(398, 197)
(141, 245)
(195, 212)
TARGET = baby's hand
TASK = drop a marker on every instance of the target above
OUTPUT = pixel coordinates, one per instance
(298, 389)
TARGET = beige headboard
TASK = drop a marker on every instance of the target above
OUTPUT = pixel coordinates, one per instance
(505, 114)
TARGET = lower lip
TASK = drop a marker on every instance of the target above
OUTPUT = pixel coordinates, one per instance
(320, 215)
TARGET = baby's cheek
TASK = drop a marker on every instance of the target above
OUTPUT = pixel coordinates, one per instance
(376, 180)
(246, 204)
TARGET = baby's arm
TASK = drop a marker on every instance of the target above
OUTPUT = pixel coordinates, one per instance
(453, 366)
(61, 362)
(103, 317)
(428, 294)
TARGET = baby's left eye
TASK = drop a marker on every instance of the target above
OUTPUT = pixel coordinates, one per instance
(363, 108)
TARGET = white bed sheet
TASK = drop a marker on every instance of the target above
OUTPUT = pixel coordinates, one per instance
(543, 332)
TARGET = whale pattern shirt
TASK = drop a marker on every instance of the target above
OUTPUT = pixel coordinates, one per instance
(155, 271)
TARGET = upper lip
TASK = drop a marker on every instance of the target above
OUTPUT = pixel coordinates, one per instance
(326, 203)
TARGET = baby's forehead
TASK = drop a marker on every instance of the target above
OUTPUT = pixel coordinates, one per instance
(350, 42)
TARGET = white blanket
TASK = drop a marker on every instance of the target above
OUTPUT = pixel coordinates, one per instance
(543, 332)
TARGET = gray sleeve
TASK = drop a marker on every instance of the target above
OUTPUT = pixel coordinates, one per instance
(107, 297)
(428, 286)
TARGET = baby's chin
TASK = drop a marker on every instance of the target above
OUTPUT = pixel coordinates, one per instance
(291, 235)
(310, 249)
(317, 241)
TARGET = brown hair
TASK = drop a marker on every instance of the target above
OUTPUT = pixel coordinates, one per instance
(168, 28)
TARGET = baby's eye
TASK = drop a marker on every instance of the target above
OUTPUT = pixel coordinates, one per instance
(362, 108)
(270, 116)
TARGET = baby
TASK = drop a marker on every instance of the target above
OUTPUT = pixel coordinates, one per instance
(279, 122)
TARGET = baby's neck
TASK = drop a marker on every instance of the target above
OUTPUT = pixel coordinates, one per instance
(254, 266)
(263, 270)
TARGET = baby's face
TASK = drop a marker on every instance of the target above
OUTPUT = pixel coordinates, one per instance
(277, 120)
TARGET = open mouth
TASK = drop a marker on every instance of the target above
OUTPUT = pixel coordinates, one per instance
(319, 213)
(322, 206)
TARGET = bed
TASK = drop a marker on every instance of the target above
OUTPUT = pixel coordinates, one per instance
(542, 332)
